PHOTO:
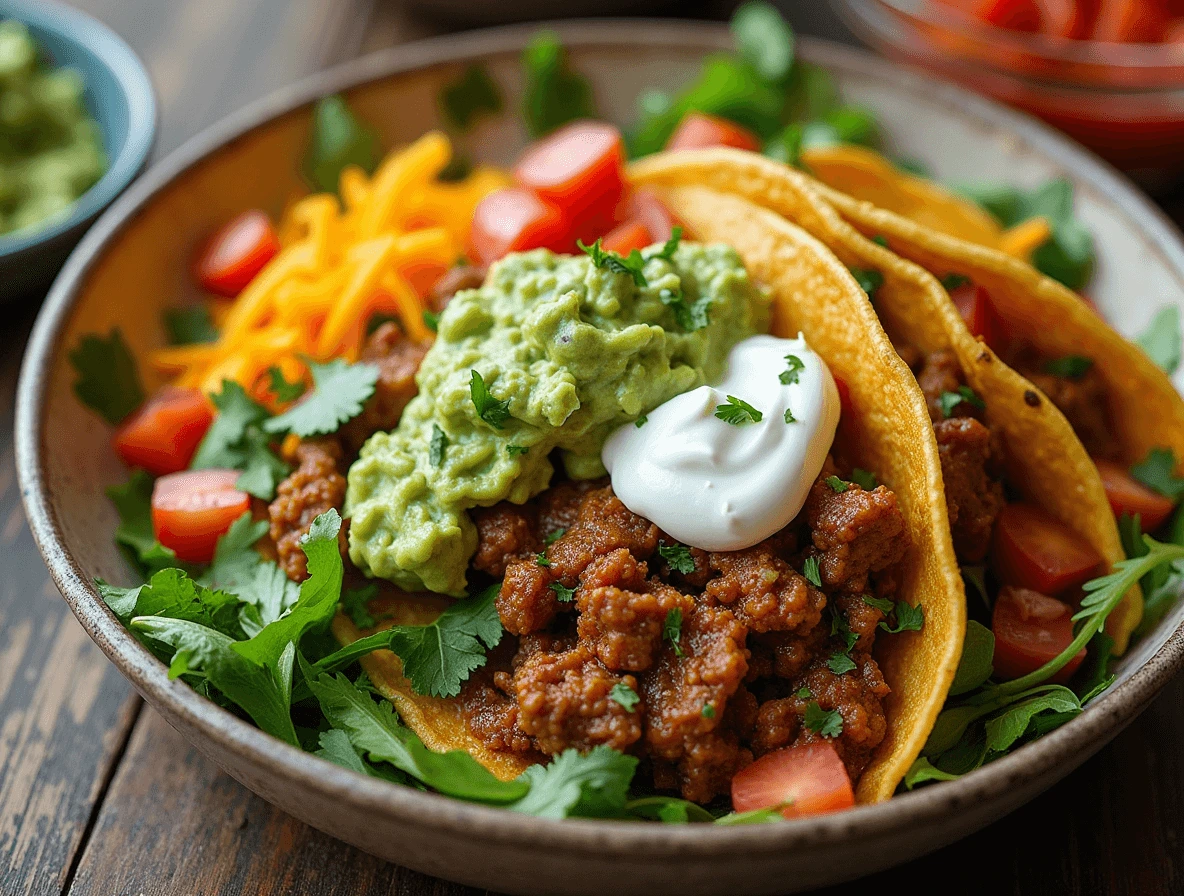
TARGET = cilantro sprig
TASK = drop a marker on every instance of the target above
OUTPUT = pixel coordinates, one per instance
(1161, 339)
(631, 264)
(108, 381)
(493, 411)
(237, 440)
(949, 401)
(339, 391)
(737, 412)
(793, 369)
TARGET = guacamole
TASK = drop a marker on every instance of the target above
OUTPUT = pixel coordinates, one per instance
(50, 149)
(567, 351)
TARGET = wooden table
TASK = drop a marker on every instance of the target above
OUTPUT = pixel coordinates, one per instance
(99, 797)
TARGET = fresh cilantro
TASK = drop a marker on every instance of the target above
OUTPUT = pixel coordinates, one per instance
(908, 618)
(737, 412)
(953, 281)
(554, 536)
(431, 320)
(281, 388)
(880, 240)
(236, 441)
(354, 603)
(672, 629)
(554, 94)
(708, 711)
(840, 663)
(1070, 367)
(786, 146)
(811, 572)
(668, 810)
(641, 421)
(489, 409)
(841, 629)
(754, 816)
(690, 316)
(133, 503)
(632, 264)
(1161, 339)
(803, 693)
(794, 367)
(191, 325)
(947, 401)
(339, 391)
(864, 479)
(1157, 471)
(436, 446)
(678, 556)
(822, 722)
(439, 657)
(670, 246)
(764, 40)
(265, 590)
(334, 746)
(625, 696)
(541, 559)
(869, 279)
(469, 97)
(516, 450)
(883, 604)
(789, 417)
(172, 594)
(573, 785)
(108, 381)
(836, 484)
(338, 140)
(562, 594)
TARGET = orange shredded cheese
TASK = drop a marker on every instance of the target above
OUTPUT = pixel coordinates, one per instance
(341, 262)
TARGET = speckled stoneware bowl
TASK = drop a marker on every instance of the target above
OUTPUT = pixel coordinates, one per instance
(134, 262)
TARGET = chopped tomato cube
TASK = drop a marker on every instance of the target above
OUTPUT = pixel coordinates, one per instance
(645, 206)
(698, 130)
(809, 779)
(1030, 630)
(162, 436)
(627, 237)
(1132, 21)
(232, 257)
(1127, 495)
(845, 404)
(580, 168)
(976, 308)
(192, 510)
(1032, 549)
(1015, 15)
(513, 220)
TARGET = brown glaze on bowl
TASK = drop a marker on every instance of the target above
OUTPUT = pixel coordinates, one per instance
(134, 263)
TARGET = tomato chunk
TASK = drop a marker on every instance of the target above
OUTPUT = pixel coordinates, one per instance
(809, 779)
(1015, 15)
(627, 237)
(1127, 495)
(192, 510)
(646, 207)
(1032, 549)
(698, 130)
(513, 220)
(976, 308)
(580, 168)
(1132, 21)
(232, 257)
(164, 433)
(1031, 629)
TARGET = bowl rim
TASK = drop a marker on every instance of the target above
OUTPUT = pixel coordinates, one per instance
(1033, 766)
(111, 51)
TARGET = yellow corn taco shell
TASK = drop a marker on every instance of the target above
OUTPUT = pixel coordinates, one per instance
(815, 294)
(1045, 459)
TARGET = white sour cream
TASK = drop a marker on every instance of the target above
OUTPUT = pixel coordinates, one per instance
(720, 486)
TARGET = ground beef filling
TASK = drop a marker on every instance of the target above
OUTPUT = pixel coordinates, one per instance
(592, 599)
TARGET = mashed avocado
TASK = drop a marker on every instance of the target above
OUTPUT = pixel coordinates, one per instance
(575, 351)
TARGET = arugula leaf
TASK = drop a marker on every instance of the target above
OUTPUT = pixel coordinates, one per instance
(439, 657)
(1071, 367)
(574, 785)
(764, 39)
(470, 96)
(437, 446)
(1157, 471)
(793, 369)
(1004, 730)
(133, 503)
(554, 94)
(171, 593)
(672, 629)
(1161, 339)
(493, 411)
(354, 604)
(631, 264)
(336, 748)
(865, 479)
(281, 388)
(338, 140)
(191, 325)
(689, 316)
(625, 696)
(339, 391)
(923, 771)
(737, 412)
(753, 816)
(235, 441)
(811, 572)
(948, 401)
(1095, 677)
(678, 556)
(374, 731)
(822, 722)
(108, 381)
(978, 656)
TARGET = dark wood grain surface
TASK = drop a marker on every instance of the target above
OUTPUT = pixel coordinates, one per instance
(99, 797)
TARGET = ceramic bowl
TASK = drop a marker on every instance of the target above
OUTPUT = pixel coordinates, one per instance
(134, 261)
(119, 97)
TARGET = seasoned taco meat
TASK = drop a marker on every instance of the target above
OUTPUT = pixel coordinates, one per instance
(973, 496)
(856, 532)
(398, 360)
(315, 486)
(1085, 403)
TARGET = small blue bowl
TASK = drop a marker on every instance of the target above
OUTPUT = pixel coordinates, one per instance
(118, 95)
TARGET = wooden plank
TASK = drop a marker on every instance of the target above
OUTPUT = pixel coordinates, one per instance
(65, 712)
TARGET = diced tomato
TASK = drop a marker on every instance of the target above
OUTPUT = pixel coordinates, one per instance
(845, 405)
(232, 257)
(1131, 21)
(1015, 15)
(1032, 549)
(1031, 629)
(513, 220)
(974, 303)
(628, 236)
(162, 436)
(645, 206)
(580, 168)
(1127, 495)
(191, 510)
(809, 779)
(698, 130)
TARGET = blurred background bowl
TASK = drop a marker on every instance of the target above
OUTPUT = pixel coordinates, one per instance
(1125, 101)
(118, 95)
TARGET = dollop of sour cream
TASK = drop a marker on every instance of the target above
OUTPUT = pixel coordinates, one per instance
(724, 486)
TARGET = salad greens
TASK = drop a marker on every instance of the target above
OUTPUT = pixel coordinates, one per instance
(1161, 339)
(338, 139)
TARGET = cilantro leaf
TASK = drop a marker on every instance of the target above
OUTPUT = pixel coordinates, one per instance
(668, 810)
(1070, 367)
(632, 264)
(670, 246)
(678, 556)
(336, 748)
(708, 711)
(641, 421)
(840, 663)
(191, 325)
(978, 656)
(1161, 339)
(264, 588)
(470, 96)
(588, 785)
(562, 594)
(354, 604)
(839, 627)
(689, 316)
(948, 401)
(883, 604)
(431, 320)
(338, 140)
(869, 279)
(811, 572)
(439, 657)
(133, 503)
(1005, 729)
(493, 411)
(803, 693)
(764, 39)
(953, 281)
(339, 391)
(822, 722)
(554, 536)
(737, 412)
(108, 381)
(794, 367)
(281, 388)
(171, 593)
(672, 629)
(235, 441)
(836, 484)
(864, 479)
(541, 559)
(516, 450)
(436, 446)
(789, 417)
(554, 94)
(625, 696)
(1157, 472)
(908, 618)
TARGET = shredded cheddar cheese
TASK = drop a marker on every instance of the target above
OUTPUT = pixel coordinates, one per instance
(374, 251)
